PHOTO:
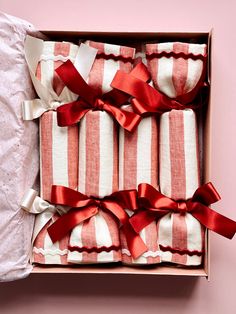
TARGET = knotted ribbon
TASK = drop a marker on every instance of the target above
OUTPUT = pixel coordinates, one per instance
(155, 205)
(149, 100)
(44, 210)
(48, 99)
(89, 99)
(84, 207)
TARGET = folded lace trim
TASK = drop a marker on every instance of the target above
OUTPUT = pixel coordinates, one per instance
(180, 251)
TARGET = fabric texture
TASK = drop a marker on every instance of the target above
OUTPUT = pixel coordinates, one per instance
(18, 150)
(98, 162)
(180, 235)
(173, 74)
(138, 163)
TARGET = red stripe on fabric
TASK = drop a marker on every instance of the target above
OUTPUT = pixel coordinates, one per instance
(179, 238)
(46, 126)
(64, 50)
(177, 154)
(126, 52)
(125, 258)
(88, 236)
(115, 178)
(114, 233)
(154, 152)
(151, 242)
(180, 68)
(97, 72)
(92, 153)
(130, 160)
(197, 152)
(38, 72)
(63, 245)
(152, 64)
(73, 156)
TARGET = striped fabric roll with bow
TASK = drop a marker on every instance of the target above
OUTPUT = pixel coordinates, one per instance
(176, 68)
(97, 240)
(138, 162)
(58, 146)
(180, 236)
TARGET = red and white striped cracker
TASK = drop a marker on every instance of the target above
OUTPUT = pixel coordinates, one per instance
(45, 252)
(58, 146)
(138, 163)
(95, 241)
(179, 178)
(175, 76)
(98, 162)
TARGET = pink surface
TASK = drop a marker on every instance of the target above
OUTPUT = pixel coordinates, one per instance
(127, 294)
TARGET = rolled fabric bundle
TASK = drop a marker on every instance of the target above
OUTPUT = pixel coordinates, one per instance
(58, 146)
(98, 238)
(180, 235)
(138, 162)
(176, 68)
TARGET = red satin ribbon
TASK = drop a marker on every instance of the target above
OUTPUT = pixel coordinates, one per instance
(89, 99)
(149, 100)
(155, 205)
(85, 207)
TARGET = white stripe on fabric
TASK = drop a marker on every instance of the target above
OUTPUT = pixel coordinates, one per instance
(165, 162)
(82, 155)
(190, 150)
(165, 235)
(165, 73)
(110, 66)
(48, 245)
(106, 154)
(103, 238)
(76, 240)
(195, 67)
(59, 153)
(121, 158)
(194, 237)
(144, 151)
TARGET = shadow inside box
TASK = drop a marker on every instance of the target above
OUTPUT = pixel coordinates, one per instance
(100, 284)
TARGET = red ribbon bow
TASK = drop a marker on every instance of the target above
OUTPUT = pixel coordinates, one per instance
(155, 205)
(149, 100)
(89, 99)
(85, 207)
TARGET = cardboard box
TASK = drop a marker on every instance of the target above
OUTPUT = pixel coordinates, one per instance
(130, 39)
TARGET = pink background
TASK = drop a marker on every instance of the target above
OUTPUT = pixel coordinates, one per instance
(140, 294)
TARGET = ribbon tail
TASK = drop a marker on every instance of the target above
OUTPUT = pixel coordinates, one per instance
(214, 221)
(142, 219)
(127, 120)
(135, 244)
(62, 226)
